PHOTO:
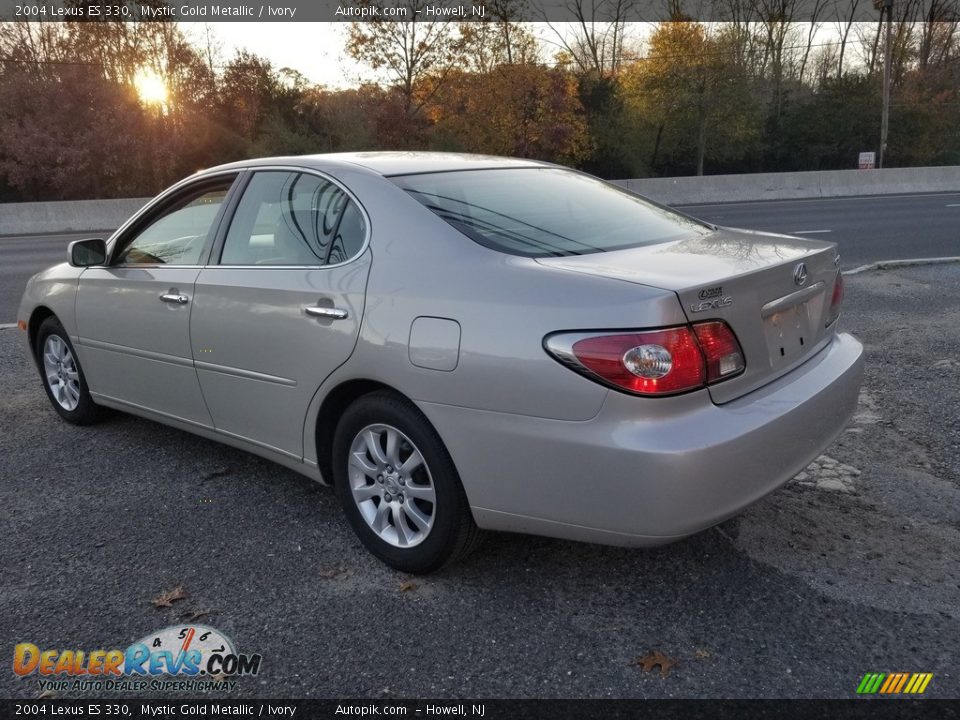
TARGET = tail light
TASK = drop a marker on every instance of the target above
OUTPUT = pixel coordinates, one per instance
(653, 362)
(721, 350)
(835, 300)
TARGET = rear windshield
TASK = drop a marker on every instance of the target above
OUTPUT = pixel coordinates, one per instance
(545, 212)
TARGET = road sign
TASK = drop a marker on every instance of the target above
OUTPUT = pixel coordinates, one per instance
(868, 160)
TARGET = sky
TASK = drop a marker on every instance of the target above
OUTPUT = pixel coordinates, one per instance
(314, 49)
(317, 49)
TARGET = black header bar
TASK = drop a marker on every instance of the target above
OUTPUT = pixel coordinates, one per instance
(164, 709)
(823, 11)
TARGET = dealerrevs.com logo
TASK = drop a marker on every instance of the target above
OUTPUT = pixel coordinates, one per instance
(180, 657)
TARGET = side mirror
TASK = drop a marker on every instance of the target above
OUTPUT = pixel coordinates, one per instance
(85, 253)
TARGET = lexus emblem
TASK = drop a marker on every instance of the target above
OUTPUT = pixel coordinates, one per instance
(800, 274)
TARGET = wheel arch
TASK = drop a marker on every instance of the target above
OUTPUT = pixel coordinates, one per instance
(331, 409)
(37, 317)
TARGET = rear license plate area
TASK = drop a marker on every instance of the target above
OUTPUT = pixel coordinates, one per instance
(788, 333)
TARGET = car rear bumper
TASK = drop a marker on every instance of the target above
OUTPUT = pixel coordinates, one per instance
(647, 471)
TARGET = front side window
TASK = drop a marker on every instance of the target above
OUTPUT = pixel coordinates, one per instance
(545, 212)
(178, 236)
(293, 218)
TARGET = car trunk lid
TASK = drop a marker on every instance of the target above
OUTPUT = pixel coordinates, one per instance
(752, 281)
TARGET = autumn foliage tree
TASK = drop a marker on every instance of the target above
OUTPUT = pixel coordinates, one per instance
(517, 110)
(689, 87)
(408, 51)
(755, 93)
(482, 45)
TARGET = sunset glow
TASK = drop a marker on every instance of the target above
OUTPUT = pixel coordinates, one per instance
(151, 87)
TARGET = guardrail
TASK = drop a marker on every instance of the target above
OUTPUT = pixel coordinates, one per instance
(103, 216)
(88, 216)
(795, 185)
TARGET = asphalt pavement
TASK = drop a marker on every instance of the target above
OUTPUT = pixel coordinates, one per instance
(867, 229)
(849, 569)
(22, 257)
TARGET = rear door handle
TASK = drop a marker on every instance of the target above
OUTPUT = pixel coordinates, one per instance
(174, 298)
(330, 313)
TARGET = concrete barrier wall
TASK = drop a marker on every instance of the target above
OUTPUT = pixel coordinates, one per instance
(94, 216)
(102, 216)
(795, 185)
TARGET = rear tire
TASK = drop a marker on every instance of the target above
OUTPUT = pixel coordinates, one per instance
(62, 376)
(399, 487)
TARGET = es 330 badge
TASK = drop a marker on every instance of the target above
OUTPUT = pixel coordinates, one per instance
(711, 299)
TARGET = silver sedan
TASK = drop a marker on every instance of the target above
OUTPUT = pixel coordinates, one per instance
(459, 343)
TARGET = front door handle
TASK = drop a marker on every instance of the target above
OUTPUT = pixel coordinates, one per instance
(329, 313)
(174, 298)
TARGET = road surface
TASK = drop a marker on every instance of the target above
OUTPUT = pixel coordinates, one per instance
(866, 228)
(850, 569)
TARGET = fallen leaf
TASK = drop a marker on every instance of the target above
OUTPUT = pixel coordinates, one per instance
(330, 573)
(407, 586)
(649, 661)
(219, 677)
(167, 598)
(702, 653)
(194, 615)
(46, 695)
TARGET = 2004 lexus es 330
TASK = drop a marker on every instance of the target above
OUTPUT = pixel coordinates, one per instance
(459, 342)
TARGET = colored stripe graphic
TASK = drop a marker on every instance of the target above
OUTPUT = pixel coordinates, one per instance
(894, 683)
(870, 683)
(890, 683)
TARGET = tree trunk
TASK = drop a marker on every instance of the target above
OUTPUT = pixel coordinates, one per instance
(701, 141)
(656, 147)
(843, 47)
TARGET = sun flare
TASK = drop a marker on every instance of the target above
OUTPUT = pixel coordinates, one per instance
(151, 87)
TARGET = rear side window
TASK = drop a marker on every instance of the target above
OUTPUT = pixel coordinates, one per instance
(545, 212)
(293, 218)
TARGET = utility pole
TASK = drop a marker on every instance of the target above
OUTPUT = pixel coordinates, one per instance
(885, 116)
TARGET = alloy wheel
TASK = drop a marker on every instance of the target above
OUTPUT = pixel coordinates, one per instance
(391, 485)
(61, 373)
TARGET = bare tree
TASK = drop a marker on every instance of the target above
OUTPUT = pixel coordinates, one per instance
(843, 28)
(817, 10)
(497, 39)
(741, 18)
(905, 17)
(515, 38)
(597, 43)
(36, 46)
(937, 31)
(409, 50)
(776, 18)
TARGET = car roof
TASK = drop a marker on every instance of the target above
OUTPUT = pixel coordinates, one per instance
(389, 163)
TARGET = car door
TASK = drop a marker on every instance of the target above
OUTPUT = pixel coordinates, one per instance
(133, 315)
(279, 306)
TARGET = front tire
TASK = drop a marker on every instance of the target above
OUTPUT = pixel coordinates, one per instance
(62, 375)
(399, 487)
